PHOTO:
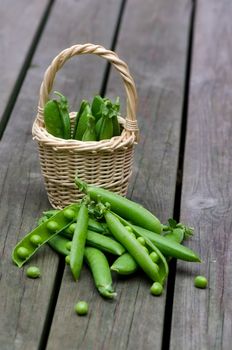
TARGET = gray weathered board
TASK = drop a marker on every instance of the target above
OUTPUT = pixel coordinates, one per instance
(202, 319)
(26, 303)
(19, 22)
(153, 41)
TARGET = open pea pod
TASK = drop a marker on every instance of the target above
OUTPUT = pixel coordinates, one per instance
(163, 266)
(29, 245)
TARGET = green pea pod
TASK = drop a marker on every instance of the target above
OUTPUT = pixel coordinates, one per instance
(29, 245)
(122, 206)
(97, 107)
(79, 113)
(167, 246)
(82, 123)
(52, 119)
(98, 126)
(125, 265)
(131, 244)
(90, 133)
(106, 131)
(116, 126)
(78, 241)
(59, 244)
(64, 114)
(100, 269)
(104, 243)
(163, 266)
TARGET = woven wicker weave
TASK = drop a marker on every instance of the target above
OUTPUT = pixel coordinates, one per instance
(106, 163)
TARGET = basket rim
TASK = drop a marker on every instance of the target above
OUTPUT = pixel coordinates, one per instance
(41, 135)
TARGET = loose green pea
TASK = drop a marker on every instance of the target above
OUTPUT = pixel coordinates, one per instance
(141, 240)
(156, 289)
(22, 252)
(69, 214)
(154, 257)
(67, 259)
(200, 282)
(68, 245)
(81, 308)
(33, 272)
(52, 226)
(36, 240)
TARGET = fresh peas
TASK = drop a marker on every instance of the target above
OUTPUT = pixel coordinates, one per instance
(154, 257)
(81, 308)
(79, 113)
(125, 265)
(132, 245)
(156, 289)
(24, 250)
(33, 272)
(68, 245)
(69, 214)
(100, 269)
(52, 226)
(36, 240)
(78, 241)
(67, 259)
(200, 282)
(141, 240)
(122, 206)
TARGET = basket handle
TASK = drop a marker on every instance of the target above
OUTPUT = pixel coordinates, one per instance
(58, 62)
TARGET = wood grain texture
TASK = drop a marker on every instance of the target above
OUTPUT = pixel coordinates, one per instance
(19, 21)
(25, 303)
(205, 321)
(153, 41)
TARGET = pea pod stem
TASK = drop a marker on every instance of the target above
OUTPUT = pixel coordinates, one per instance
(122, 206)
(78, 241)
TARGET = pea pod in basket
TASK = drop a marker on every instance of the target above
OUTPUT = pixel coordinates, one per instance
(29, 245)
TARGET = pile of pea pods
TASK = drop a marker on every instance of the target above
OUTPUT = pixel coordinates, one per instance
(103, 225)
(93, 122)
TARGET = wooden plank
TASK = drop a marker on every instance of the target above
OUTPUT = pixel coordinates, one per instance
(25, 303)
(19, 21)
(153, 41)
(202, 318)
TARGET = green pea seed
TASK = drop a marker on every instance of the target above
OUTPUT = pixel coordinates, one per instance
(33, 272)
(72, 228)
(22, 252)
(67, 259)
(36, 240)
(69, 214)
(200, 282)
(129, 229)
(81, 308)
(141, 240)
(156, 289)
(52, 226)
(154, 257)
(68, 245)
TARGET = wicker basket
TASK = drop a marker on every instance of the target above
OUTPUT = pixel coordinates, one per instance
(106, 163)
